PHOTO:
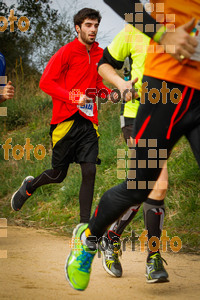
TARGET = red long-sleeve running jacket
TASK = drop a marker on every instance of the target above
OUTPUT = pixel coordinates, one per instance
(70, 71)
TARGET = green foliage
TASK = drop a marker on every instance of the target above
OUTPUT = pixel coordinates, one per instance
(28, 101)
(48, 31)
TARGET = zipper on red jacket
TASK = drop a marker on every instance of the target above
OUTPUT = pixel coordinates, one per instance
(88, 55)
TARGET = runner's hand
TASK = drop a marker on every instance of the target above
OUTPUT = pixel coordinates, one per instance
(180, 42)
(8, 91)
(83, 99)
(127, 90)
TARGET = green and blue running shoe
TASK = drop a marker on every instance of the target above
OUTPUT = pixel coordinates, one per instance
(78, 263)
(155, 271)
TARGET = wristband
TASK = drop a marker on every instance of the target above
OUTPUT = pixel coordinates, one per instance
(157, 37)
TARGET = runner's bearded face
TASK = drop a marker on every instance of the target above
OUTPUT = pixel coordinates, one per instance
(88, 31)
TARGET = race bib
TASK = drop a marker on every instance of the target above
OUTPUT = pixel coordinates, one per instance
(87, 109)
(196, 32)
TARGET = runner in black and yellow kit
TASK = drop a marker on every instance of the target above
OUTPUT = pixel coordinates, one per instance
(126, 44)
(160, 123)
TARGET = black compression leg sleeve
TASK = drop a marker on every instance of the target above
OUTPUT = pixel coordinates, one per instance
(119, 226)
(47, 177)
(86, 190)
(154, 212)
(113, 204)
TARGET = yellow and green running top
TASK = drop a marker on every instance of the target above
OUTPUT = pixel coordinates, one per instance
(130, 42)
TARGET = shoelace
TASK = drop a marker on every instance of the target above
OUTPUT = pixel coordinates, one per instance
(158, 261)
(116, 257)
(112, 254)
(109, 254)
(117, 248)
(85, 260)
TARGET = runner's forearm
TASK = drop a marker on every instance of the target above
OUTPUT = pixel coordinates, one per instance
(109, 74)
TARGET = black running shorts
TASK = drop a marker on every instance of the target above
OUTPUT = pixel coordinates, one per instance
(74, 141)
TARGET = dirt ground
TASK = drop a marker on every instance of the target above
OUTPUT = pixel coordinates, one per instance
(34, 269)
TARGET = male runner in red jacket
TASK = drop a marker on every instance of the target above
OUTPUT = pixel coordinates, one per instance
(68, 75)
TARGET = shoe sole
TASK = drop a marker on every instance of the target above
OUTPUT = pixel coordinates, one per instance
(11, 201)
(66, 263)
(106, 268)
(156, 280)
(66, 274)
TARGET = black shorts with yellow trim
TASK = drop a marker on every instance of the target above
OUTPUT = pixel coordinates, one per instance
(74, 141)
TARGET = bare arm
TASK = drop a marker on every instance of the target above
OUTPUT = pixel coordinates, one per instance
(109, 74)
